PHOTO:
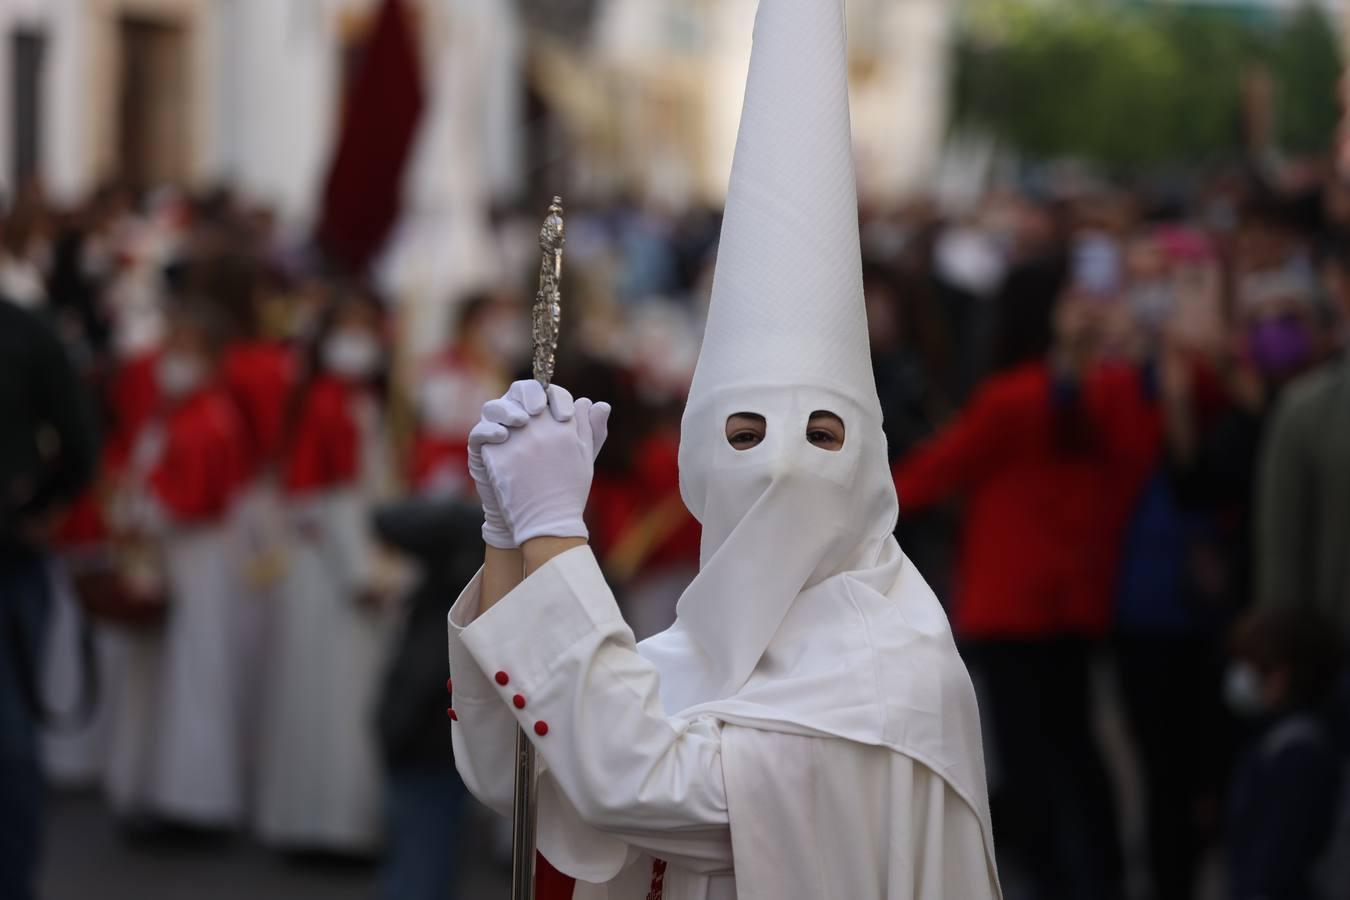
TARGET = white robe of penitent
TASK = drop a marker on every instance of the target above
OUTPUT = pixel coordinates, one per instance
(637, 802)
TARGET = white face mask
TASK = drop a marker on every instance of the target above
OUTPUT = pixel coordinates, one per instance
(1242, 690)
(778, 518)
(21, 283)
(969, 259)
(179, 374)
(351, 354)
(449, 405)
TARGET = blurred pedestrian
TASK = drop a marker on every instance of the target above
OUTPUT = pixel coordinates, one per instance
(258, 370)
(909, 361)
(1049, 456)
(76, 279)
(24, 250)
(47, 453)
(1303, 512)
(1286, 787)
(319, 782)
(258, 367)
(175, 749)
(491, 338)
(1226, 359)
(424, 797)
(1170, 622)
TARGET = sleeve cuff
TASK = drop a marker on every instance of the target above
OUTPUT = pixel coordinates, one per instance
(529, 630)
(469, 681)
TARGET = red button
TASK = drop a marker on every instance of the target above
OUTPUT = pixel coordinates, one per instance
(451, 713)
(519, 701)
(541, 728)
(502, 678)
(449, 685)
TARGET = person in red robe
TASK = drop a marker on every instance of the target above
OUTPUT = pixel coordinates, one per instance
(258, 370)
(318, 762)
(175, 751)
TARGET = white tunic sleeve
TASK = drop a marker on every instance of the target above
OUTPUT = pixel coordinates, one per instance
(556, 656)
(484, 740)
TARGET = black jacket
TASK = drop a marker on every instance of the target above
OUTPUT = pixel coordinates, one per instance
(48, 447)
(445, 537)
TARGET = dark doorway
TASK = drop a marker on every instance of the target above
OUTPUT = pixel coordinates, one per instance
(153, 110)
(27, 48)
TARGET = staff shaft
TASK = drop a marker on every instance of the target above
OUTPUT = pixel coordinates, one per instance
(546, 315)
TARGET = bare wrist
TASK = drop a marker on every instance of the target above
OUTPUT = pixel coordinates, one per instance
(538, 551)
(502, 571)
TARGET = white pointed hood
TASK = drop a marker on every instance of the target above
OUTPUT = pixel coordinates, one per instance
(787, 297)
(786, 336)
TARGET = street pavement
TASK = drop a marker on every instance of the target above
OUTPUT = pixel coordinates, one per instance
(88, 857)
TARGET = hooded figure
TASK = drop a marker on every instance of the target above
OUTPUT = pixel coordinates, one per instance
(805, 728)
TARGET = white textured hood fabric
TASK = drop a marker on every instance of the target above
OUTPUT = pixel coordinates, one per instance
(805, 616)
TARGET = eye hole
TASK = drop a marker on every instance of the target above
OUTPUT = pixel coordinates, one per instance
(745, 430)
(825, 430)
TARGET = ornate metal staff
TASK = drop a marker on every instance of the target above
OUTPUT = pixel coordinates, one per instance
(546, 317)
(548, 302)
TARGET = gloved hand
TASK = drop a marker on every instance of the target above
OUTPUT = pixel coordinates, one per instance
(523, 400)
(541, 470)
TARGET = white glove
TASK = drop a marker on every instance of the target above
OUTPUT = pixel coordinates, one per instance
(523, 400)
(542, 471)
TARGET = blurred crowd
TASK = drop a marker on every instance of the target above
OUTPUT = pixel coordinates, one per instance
(236, 511)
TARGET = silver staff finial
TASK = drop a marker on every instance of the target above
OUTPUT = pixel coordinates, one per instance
(548, 302)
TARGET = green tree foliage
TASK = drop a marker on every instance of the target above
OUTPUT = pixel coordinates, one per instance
(1134, 83)
(1306, 61)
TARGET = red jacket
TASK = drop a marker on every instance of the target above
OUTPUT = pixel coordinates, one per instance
(204, 461)
(133, 398)
(259, 375)
(325, 449)
(1043, 522)
(620, 505)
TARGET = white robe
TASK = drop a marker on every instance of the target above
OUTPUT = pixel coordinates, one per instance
(175, 743)
(261, 533)
(320, 776)
(734, 811)
(320, 783)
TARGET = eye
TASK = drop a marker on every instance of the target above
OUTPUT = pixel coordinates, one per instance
(745, 430)
(825, 430)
